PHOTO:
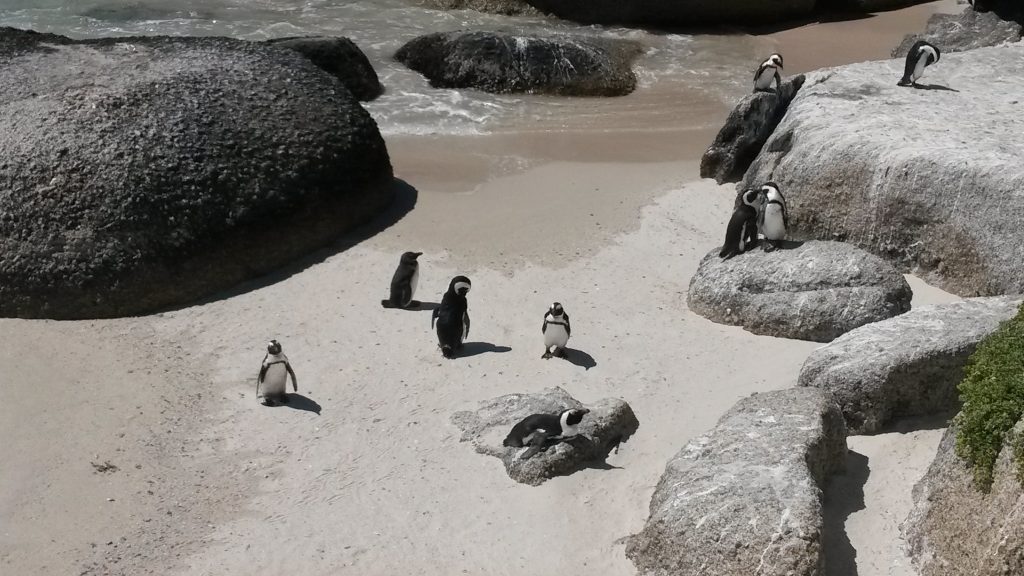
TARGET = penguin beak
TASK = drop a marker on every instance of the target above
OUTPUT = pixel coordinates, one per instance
(417, 254)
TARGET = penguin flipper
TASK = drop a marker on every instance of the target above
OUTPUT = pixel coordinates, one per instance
(568, 329)
(434, 316)
(778, 82)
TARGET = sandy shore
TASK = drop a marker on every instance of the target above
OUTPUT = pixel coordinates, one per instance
(363, 473)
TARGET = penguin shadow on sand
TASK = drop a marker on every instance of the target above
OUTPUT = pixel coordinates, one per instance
(577, 358)
(934, 87)
(297, 401)
(477, 348)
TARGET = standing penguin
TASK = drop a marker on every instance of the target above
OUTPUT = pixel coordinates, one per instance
(741, 233)
(556, 331)
(452, 317)
(774, 219)
(768, 72)
(403, 283)
(273, 376)
(921, 54)
(537, 430)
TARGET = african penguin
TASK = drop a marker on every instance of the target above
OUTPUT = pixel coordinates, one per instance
(768, 72)
(403, 283)
(774, 218)
(741, 233)
(556, 331)
(452, 317)
(921, 54)
(538, 430)
(273, 376)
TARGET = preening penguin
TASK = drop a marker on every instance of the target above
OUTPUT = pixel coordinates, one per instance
(537, 430)
(768, 72)
(921, 55)
(403, 283)
(774, 219)
(741, 233)
(273, 378)
(452, 317)
(556, 331)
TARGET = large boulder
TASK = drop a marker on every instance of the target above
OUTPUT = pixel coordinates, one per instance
(609, 423)
(745, 498)
(498, 62)
(144, 172)
(964, 31)
(810, 291)
(503, 7)
(745, 131)
(955, 529)
(676, 12)
(339, 57)
(909, 365)
(931, 179)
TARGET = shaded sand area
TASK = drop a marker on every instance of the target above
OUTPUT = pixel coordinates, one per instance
(363, 473)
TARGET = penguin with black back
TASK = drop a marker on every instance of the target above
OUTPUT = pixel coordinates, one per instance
(403, 283)
(741, 233)
(768, 72)
(540, 431)
(774, 219)
(273, 378)
(556, 331)
(921, 55)
(451, 318)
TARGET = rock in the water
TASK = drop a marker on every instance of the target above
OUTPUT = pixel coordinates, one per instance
(664, 13)
(746, 130)
(931, 179)
(503, 7)
(811, 291)
(745, 498)
(905, 366)
(498, 62)
(954, 529)
(609, 423)
(341, 58)
(964, 31)
(144, 172)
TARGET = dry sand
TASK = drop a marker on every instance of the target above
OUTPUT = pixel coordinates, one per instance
(363, 473)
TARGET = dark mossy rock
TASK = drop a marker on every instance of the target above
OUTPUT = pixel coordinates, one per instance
(341, 58)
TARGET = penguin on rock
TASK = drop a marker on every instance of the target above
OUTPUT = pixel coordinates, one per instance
(921, 55)
(767, 73)
(774, 219)
(741, 232)
(540, 431)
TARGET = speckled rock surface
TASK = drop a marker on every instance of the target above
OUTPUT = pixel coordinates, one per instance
(339, 57)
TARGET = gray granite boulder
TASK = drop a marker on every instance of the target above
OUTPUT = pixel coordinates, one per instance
(808, 290)
(909, 365)
(745, 131)
(144, 172)
(503, 7)
(745, 498)
(502, 62)
(931, 179)
(955, 529)
(339, 57)
(964, 31)
(609, 423)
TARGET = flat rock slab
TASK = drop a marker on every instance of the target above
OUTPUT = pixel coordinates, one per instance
(745, 498)
(812, 290)
(502, 62)
(909, 365)
(955, 529)
(964, 31)
(745, 131)
(609, 423)
(931, 179)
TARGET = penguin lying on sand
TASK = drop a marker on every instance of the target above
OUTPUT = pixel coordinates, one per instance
(556, 331)
(452, 317)
(540, 431)
(403, 283)
(774, 219)
(273, 376)
(767, 72)
(921, 55)
(741, 233)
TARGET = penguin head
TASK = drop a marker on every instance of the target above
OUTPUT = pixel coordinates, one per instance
(460, 285)
(410, 257)
(772, 192)
(273, 347)
(776, 60)
(573, 416)
(753, 197)
(556, 310)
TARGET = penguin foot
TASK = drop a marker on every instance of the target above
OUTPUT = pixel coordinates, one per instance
(447, 352)
(905, 82)
(283, 399)
(268, 402)
(559, 352)
(546, 355)
(387, 304)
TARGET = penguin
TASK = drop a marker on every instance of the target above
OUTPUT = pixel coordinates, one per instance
(273, 376)
(538, 430)
(403, 283)
(774, 219)
(767, 72)
(556, 331)
(741, 233)
(452, 317)
(921, 54)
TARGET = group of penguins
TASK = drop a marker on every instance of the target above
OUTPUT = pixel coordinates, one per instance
(760, 213)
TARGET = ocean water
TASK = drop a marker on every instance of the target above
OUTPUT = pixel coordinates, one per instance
(683, 78)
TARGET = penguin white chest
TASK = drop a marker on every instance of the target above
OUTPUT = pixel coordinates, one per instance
(774, 227)
(275, 379)
(412, 283)
(922, 62)
(555, 335)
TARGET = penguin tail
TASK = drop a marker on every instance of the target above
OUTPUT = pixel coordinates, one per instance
(388, 304)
